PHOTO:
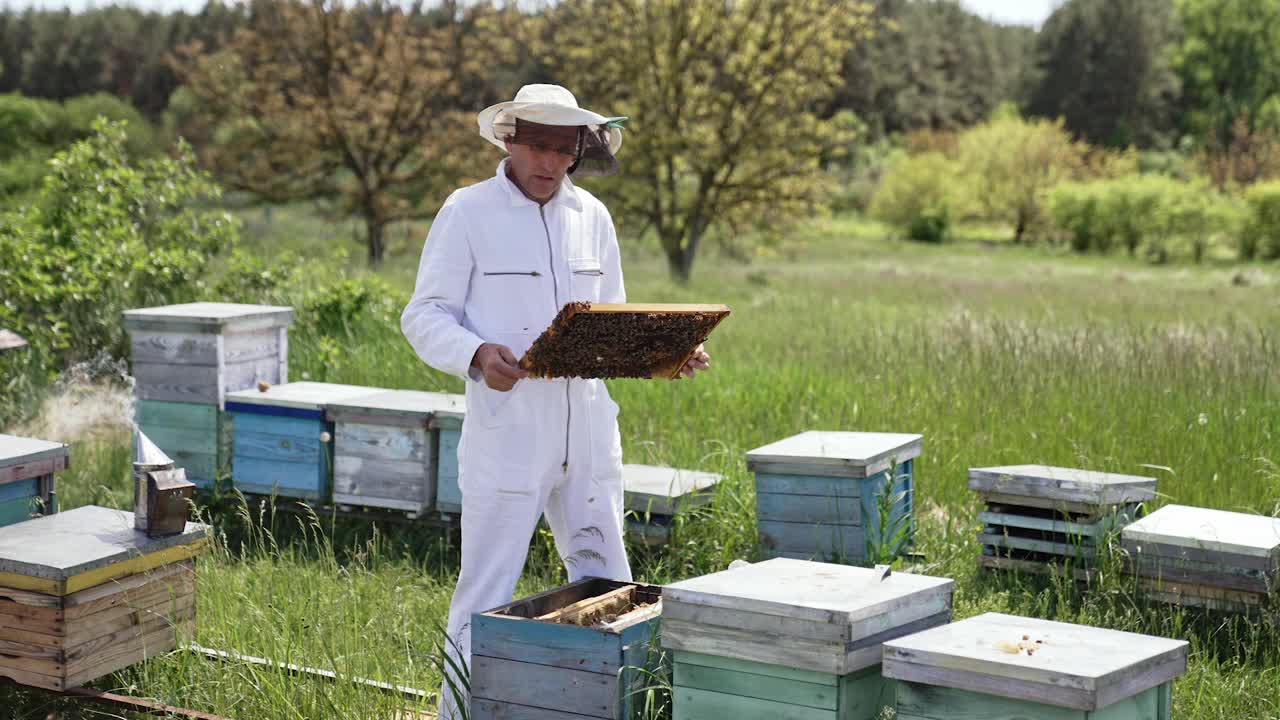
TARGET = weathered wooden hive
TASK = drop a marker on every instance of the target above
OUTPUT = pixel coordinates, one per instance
(282, 440)
(1003, 666)
(385, 454)
(829, 495)
(447, 425)
(1042, 519)
(654, 495)
(579, 651)
(1205, 558)
(84, 594)
(186, 359)
(27, 468)
(792, 639)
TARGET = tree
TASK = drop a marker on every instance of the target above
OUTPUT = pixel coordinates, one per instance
(357, 106)
(1104, 67)
(722, 99)
(1012, 161)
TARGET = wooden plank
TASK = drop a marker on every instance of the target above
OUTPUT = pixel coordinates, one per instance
(193, 416)
(1066, 550)
(158, 626)
(827, 510)
(1185, 571)
(1073, 666)
(122, 618)
(748, 667)
(482, 709)
(246, 374)
(839, 454)
(566, 646)
(176, 383)
(1034, 567)
(1093, 530)
(389, 406)
(665, 491)
(141, 705)
(694, 704)
(757, 685)
(196, 442)
(17, 510)
(1210, 530)
(174, 348)
(1073, 485)
(261, 344)
(796, 484)
(839, 542)
(1063, 506)
(380, 442)
(30, 470)
(16, 450)
(1178, 552)
(944, 703)
(544, 686)
(600, 604)
(278, 448)
(249, 424)
(769, 648)
(97, 576)
(287, 479)
(20, 490)
(448, 494)
(867, 695)
(1206, 592)
(301, 395)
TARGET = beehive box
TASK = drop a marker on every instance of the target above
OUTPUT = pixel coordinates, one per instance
(792, 639)
(574, 652)
(447, 424)
(186, 358)
(653, 496)
(817, 492)
(83, 594)
(384, 453)
(27, 468)
(1003, 666)
(1043, 519)
(282, 442)
(1205, 558)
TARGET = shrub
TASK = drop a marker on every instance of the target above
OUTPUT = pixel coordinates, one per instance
(920, 195)
(1260, 237)
(105, 234)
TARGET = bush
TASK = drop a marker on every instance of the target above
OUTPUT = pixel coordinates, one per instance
(920, 196)
(27, 123)
(105, 234)
(1260, 237)
(1154, 216)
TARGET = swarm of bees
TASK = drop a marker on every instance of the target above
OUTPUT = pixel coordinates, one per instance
(615, 342)
(1025, 645)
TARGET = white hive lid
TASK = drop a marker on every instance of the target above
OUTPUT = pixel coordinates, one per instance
(1203, 528)
(211, 316)
(1065, 484)
(844, 454)
(15, 450)
(300, 395)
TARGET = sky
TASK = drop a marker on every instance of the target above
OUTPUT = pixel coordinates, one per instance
(1021, 12)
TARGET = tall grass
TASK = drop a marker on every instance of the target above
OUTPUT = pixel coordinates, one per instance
(996, 357)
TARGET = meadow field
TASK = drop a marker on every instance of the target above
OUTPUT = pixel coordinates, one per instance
(996, 354)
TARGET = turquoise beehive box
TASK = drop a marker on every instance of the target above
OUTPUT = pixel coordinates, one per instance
(27, 468)
(829, 495)
(447, 424)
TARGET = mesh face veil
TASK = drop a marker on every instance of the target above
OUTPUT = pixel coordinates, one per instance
(587, 144)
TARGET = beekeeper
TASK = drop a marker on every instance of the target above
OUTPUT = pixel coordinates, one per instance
(501, 259)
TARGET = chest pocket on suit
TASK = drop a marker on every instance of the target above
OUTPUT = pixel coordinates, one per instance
(586, 276)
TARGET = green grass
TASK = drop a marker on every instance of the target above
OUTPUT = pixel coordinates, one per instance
(996, 354)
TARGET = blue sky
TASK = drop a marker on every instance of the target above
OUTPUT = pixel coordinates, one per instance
(1024, 12)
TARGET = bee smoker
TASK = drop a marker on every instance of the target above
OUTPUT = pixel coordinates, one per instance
(161, 492)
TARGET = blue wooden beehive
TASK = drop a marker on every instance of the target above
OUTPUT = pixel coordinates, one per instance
(578, 651)
(447, 424)
(1004, 666)
(186, 358)
(282, 442)
(829, 495)
(27, 468)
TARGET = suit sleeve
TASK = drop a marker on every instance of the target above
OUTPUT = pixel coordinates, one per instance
(432, 321)
(612, 289)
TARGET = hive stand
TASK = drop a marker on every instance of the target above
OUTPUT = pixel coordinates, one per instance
(1004, 666)
(186, 358)
(817, 495)
(1042, 519)
(1199, 557)
(792, 639)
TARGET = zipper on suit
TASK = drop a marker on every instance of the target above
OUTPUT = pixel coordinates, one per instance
(555, 288)
(533, 273)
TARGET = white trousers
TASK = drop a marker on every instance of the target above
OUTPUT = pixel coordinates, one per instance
(512, 471)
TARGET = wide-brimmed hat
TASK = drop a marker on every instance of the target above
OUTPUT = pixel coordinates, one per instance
(547, 105)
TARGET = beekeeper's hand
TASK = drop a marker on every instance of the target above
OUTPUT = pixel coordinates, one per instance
(700, 361)
(498, 364)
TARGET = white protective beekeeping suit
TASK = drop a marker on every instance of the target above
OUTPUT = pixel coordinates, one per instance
(497, 267)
